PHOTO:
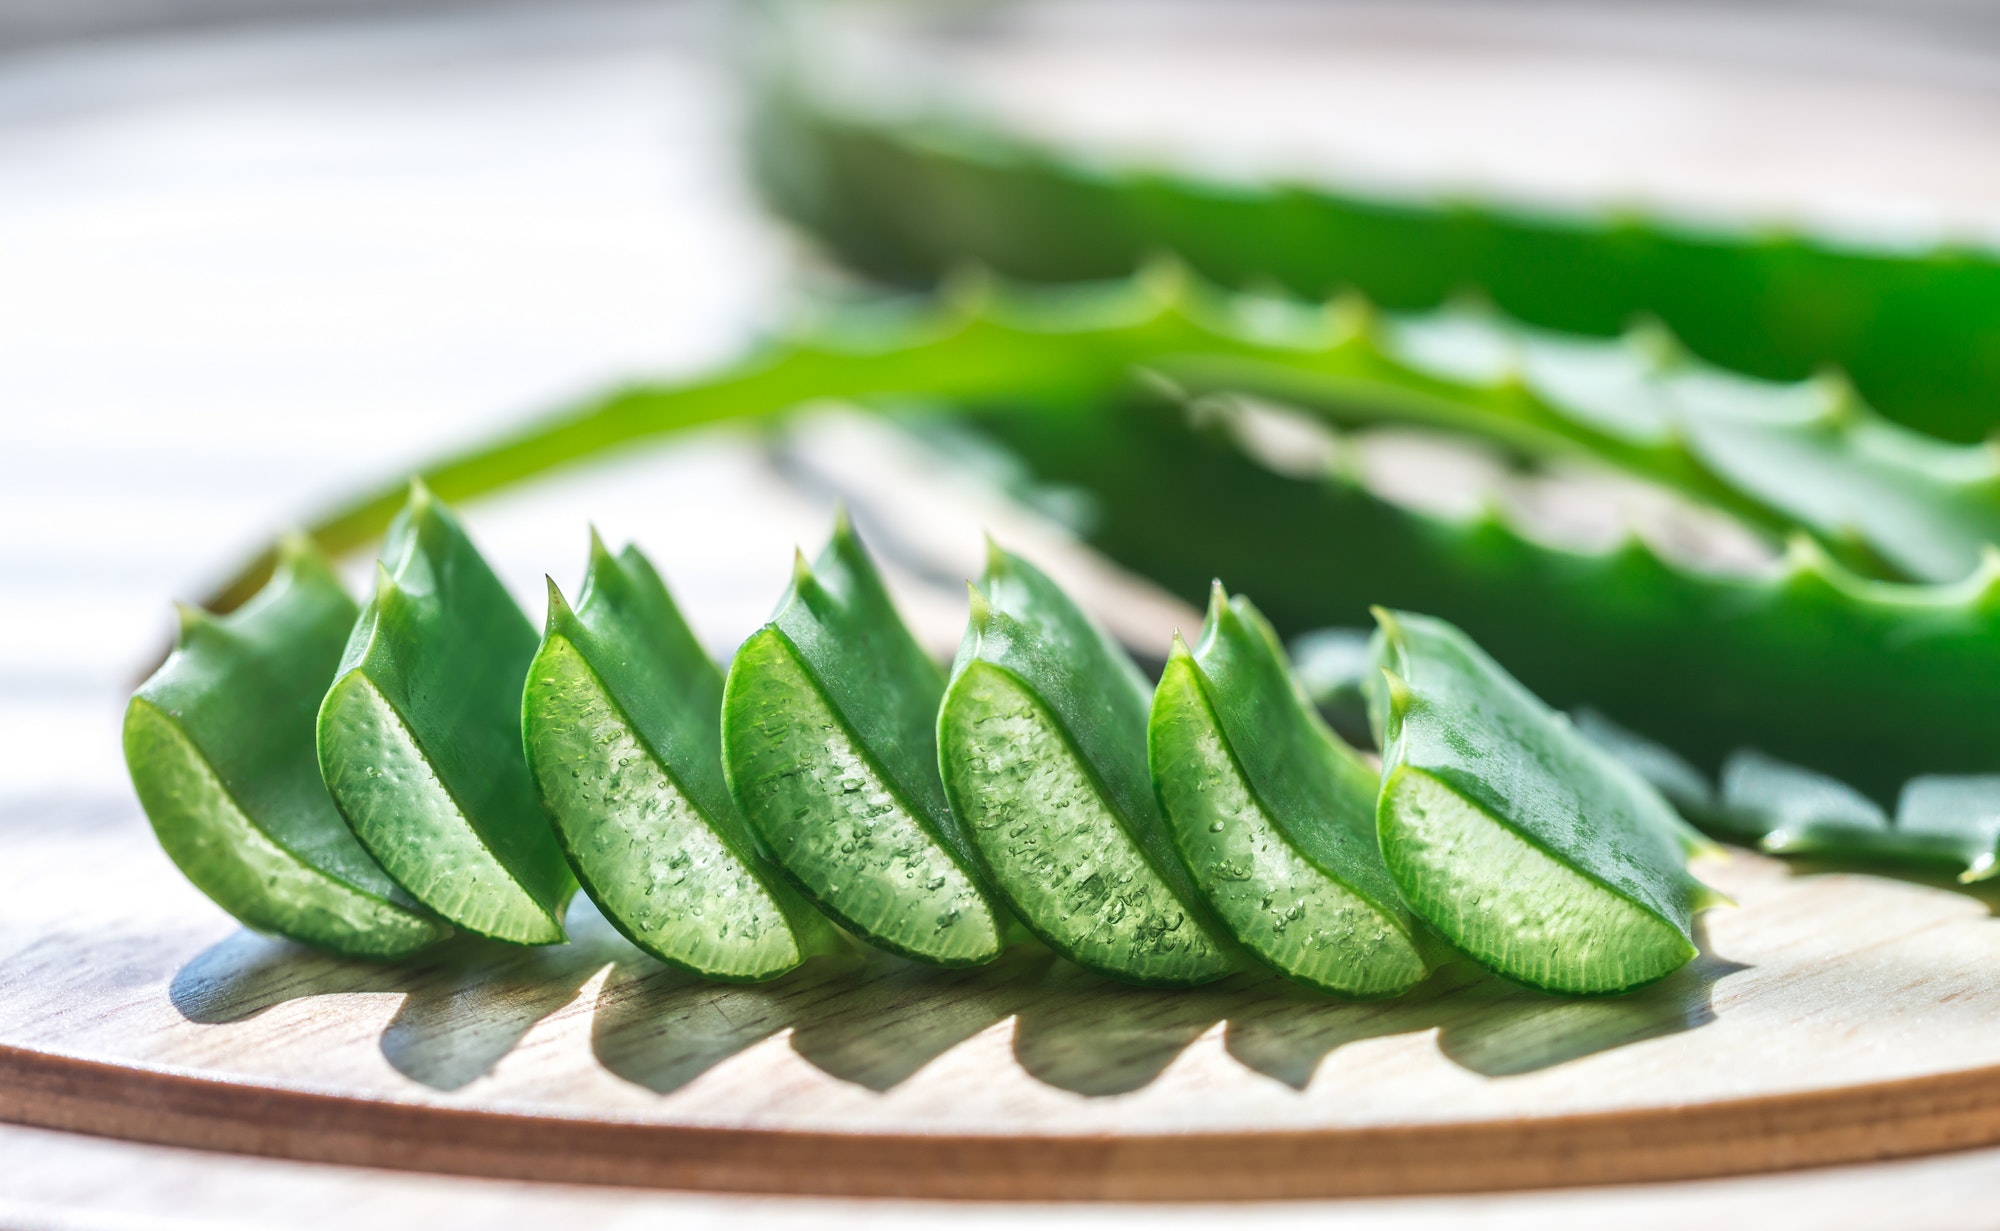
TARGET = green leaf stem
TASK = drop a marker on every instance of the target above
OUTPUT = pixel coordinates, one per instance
(621, 717)
(1274, 816)
(220, 746)
(420, 737)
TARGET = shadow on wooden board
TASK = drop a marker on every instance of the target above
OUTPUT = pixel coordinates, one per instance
(875, 1020)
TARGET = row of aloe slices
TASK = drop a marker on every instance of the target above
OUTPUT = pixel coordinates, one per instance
(467, 776)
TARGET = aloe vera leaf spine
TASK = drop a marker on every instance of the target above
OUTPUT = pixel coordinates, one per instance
(829, 740)
(420, 736)
(219, 743)
(621, 722)
(1526, 845)
(1274, 816)
(912, 199)
(1042, 744)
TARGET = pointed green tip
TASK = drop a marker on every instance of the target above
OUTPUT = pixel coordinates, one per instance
(559, 607)
(1399, 690)
(1179, 649)
(188, 620)
(1655, 343)
(296, 546)
(967, 289)
(981, 606)
(997, 560)
(1218, 600)
(385, 581)
(843, 525)
(420, 494)
(599, 553)
(1163, 278)
(802, 573)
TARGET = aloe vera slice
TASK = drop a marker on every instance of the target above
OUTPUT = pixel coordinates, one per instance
(420, 736)
(1528, 847)
(219, 743)
(621, 717)
(829, 740)
(1042, 740)
(1274, 816)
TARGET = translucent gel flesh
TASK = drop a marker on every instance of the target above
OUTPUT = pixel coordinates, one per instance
(833, 822)
(646, 853)
(233, 861)
(1278, 904)
(1511, 905)
(1055, 847)
(408, 820)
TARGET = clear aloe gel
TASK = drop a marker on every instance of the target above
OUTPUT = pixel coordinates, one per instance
(1527, 846)
(1042, 741)
(1274, 815)
(622, 722)
(219, 743)
(420, 737)
(829, 741)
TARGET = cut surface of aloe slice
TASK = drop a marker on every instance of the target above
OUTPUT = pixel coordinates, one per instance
(829, 739)
(621, 718)
(1530, 848)
(420, 737)
(1274, 816)
(1042, 741)
(219, 743)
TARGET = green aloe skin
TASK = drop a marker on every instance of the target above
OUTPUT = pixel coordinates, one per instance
(1732, 661)
(1806, 661)
(1042, 741)
(910, 200)
(1274, 816)
(829, 739)
(1525, 845)
(621, 718)
(420, 737)
(220, 747)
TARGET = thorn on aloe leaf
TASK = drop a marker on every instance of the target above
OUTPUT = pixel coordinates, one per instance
(189, 620)
(1163, 280)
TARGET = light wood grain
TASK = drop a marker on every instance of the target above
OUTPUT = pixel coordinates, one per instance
(1834, 1018)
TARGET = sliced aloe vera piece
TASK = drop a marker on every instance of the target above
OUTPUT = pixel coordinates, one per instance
(1527, 846)
(219, 743)
(1042, 740)
(829, 739)
(1274, 816)
(622, 722)
(420, 737)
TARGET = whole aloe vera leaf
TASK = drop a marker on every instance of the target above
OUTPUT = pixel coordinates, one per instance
(1523, 843)
(420, 737)
(1730, 663)
(911, 199)
(1750, 449)
(829, 740)
(219, 743)
(1042, 740)
(1808, 662)
(1274, 816)
(621, 718)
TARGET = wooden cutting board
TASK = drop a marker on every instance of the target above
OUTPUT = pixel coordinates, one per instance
(1833, 1018)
